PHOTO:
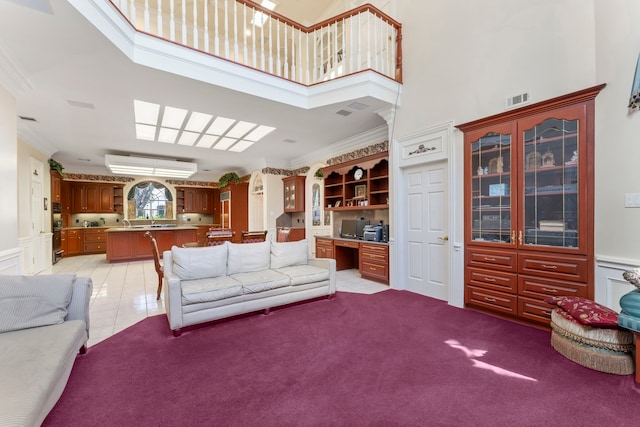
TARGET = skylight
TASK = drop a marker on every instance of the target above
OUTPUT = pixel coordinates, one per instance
(171, 125)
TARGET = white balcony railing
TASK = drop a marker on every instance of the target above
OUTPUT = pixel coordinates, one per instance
(248, 34)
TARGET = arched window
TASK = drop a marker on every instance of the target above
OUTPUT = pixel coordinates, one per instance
(151, 200)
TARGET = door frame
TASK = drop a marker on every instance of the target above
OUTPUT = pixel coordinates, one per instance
(433, 144)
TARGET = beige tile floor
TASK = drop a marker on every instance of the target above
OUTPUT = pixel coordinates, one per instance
(125, 293)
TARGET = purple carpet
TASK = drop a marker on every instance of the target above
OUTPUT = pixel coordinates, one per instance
(393, 358)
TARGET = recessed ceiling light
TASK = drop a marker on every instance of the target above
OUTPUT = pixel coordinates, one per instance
(168, 135)
(129, 165)
(188, 138)
(198, 121)
(206, 141)
(220, 126)
(145, 132)
(260, 132)
(146, 112)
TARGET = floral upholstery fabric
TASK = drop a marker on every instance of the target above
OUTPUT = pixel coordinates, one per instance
(586, 311)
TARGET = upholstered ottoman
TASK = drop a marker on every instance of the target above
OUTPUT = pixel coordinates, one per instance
(588, 334)
(629, 318)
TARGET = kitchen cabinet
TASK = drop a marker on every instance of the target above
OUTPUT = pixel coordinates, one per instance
(234, 209)
(74, 242)
(65, 197)
(94, 241)
(528, 178)
(56, 186)
(132, 244)
(294, 193)
(357, 184)
(93, 197)
(196, 200)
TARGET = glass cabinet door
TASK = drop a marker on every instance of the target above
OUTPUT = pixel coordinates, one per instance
(549, 199)
(491, 189)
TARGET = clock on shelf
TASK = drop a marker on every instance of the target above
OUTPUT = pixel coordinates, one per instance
(357, 175)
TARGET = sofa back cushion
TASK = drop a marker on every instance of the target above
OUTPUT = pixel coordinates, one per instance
(200, 262)
(287, 254)
(248, 257)
(32, 301)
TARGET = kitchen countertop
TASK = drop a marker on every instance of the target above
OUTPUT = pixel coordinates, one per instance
(347, 239)
(151, 227)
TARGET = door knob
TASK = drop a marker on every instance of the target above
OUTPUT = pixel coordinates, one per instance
(444, 239)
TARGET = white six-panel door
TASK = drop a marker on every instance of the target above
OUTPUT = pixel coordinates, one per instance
(426, 224)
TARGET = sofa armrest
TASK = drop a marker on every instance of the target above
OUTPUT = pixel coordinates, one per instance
(329, 264)
(81, 295)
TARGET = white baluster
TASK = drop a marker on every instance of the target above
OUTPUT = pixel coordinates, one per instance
(262, 59)
(375, 44)
(336, 48)
(195, 25)
(226, 28)
(315, 56)
(344, 47)
(245, 48)
(300, 58)
(184, 23)
(132, 7)
(216, 30)
(254, 63)
(307, 75)
(270, 47)
(359, 62)
(286, 52)
(278, 56)
(235, 31)
(352, 49)
(146, 15)
(368, 40)
(172, 21)
(293, 54)
(159, 18)
(206, 26)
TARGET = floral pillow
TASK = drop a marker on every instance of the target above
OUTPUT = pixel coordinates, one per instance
(633, 277)
(586, 311)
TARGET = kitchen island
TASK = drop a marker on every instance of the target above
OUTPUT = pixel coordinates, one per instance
(130, 243)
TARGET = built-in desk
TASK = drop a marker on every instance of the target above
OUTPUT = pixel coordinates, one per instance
(370, 258)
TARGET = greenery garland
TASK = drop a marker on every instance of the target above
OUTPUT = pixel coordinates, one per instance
(57, 167)
(228, 178)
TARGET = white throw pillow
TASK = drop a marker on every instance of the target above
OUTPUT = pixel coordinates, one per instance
(200, 262)
(286, 254)
(248, 257)
(32, 301)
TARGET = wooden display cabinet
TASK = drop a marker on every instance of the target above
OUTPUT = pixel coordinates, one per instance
(294, 193)
(528, 177)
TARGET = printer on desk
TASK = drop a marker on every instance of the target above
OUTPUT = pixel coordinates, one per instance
(375, 233)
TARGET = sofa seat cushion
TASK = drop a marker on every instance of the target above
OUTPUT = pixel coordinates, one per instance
(210, 289)
(304, 274)
(35, 365)
(260, 281)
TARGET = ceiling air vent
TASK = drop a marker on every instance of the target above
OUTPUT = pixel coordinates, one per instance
(343, 112)
(29, 119)
(516, 100)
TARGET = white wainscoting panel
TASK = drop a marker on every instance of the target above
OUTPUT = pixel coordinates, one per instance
(610, 285)
(11, 262)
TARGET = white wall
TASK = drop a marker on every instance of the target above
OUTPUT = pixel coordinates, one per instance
(9, 178)
(462, 59)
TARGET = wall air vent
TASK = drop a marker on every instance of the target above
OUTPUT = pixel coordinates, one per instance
(517, 100)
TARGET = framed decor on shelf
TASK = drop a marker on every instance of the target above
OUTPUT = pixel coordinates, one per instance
(361, 191)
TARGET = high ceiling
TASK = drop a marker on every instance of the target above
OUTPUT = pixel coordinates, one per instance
(80, 88)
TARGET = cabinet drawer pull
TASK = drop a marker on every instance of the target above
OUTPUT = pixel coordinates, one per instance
(488, 279)
(489, 259)
(490, 299)
(553, 291)
(552, 267)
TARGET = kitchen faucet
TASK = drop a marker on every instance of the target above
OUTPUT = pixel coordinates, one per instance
(127, 223)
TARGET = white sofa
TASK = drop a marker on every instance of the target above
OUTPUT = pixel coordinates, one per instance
(44, 322)
(214, 282)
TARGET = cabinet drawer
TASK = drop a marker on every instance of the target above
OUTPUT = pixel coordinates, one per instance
(498, 281)
(534, 309)
(380, 257)
(558, 266)
(542, 287)
(374, 249)
(494, 260)
(380, 271)
(95, 237)
(493, 300)
(342, 243)
(95, 247)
